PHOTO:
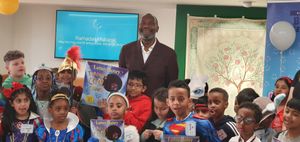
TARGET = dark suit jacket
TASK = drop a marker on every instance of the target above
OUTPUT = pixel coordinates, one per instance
(161, 66)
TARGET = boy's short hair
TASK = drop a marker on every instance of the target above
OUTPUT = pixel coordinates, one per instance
(294, 103)
(221, 91)
(139, 75)
(255, 108)
(179, 84)
(12, 55)
(161, 94)
(246, 95)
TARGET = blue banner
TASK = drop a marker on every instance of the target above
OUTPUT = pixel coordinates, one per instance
(287, 64)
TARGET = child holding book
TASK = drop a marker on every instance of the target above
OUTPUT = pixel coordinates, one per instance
(117, 105)
(154, 126)
(185, 123)
(19, 117)
(62, 126)
(140, 104)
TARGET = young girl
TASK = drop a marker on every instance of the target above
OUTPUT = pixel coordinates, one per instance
(42, 84)
(19, 117)
(153, 128)
(62, 126)
(282, 85)
(117, 106)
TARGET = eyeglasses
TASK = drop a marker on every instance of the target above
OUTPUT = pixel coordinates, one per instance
(246, 120)
(135, 85)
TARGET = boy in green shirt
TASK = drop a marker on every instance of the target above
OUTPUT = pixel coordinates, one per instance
(14, 64)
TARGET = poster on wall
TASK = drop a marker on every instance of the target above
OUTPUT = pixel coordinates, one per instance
(229, 51)
(277, 63)
(100, 80)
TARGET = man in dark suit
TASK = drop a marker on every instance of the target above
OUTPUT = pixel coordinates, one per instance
(147, 54)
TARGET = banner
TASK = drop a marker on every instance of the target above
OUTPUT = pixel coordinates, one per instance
(100, 80)
(287, 63)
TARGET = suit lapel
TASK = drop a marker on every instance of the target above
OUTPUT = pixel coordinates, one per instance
(139, 56)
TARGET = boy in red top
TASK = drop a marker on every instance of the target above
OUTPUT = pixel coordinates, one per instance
(140, 104)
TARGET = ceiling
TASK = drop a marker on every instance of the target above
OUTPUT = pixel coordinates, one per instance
(145, 3)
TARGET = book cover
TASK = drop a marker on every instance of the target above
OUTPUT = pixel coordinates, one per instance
(100, 80)
(179, 138)
(107, 130)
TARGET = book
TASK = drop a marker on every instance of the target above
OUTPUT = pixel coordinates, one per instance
(107, 130)
(100, 80)
(180, 138)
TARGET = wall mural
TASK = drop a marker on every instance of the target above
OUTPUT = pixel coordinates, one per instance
(229, 51)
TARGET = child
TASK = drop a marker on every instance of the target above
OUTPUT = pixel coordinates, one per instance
(291, 121)
(140, 104)
(42, 84)
(154, 126)
(185, 123)
(62, 125)
(224, 124)
(67, 72)
(246, 95)
(201, 107)
(264, 132)
(247, 120)
(19, 118)
(282, 85)
(117, 106)
(14, 64)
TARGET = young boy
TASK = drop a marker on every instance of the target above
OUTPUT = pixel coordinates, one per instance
(140, 104)
(224, 124)
(140, 108)
(291, 119)
(14, 64)
(246, 95)
(185, 123)
(201, 107)
(247, 119)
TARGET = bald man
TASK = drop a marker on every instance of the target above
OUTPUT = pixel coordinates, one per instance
(147, 54)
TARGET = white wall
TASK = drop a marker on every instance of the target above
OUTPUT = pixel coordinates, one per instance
(32, 30)
(6, 38)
